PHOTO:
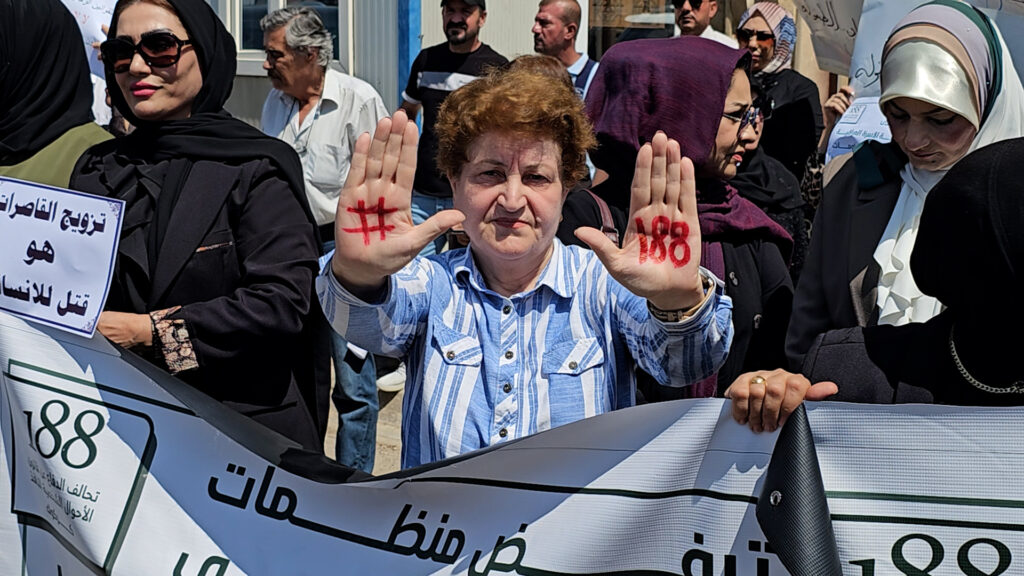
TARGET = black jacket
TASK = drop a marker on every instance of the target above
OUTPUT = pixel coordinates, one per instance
(758, 282)
(791, 134)
(837, 287)
(239, 256)
(896, 365)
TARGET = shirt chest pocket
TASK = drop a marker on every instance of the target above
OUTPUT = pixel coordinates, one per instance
(328, 166)
(457, 350)
(212, 270)
(577, 388)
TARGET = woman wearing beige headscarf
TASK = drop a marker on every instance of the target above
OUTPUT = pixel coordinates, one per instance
(948, 88)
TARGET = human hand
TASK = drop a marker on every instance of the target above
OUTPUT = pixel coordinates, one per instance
(766, 399)
(660, 255)
(96, 45)
(126, 329)
(373, 229)
(833, 110)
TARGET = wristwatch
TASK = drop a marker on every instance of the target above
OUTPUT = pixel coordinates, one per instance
(680, 315)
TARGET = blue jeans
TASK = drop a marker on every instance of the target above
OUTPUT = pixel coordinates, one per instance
(424, 207)
(355, 398)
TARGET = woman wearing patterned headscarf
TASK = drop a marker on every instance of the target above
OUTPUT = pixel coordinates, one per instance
(792, 129)
(948, 87)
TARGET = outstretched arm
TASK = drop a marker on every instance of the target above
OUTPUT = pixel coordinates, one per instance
(373, 228)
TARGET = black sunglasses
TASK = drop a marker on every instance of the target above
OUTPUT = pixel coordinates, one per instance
(744, 35)
(158, 50)
(694, 4)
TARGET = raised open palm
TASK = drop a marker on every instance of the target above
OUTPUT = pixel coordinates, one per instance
(373, 228)
(660, 254)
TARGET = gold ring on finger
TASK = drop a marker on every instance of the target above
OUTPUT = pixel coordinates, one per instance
(758, 380)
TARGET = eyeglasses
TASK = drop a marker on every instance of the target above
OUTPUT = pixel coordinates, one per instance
(765, 104)
(744, 35)
(749, 117)
(694, 4)
(158, 50)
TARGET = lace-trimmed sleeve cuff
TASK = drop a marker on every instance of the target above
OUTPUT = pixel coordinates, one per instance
(171, 341)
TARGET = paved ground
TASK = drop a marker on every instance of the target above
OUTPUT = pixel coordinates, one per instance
(389, 428)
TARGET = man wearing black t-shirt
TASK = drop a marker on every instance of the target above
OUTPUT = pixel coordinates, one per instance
(436, 72)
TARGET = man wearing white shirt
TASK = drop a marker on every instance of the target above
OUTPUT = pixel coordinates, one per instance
(693, 17)
(321, 112)
(555, 28)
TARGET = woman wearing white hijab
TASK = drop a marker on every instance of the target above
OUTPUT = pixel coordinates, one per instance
(948, 88)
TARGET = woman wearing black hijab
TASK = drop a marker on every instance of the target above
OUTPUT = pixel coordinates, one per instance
(969, 254)
(46, 96)
(214, 276)
(767, 183)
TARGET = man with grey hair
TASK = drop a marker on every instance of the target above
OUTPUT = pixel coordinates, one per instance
(321, 112)
(555, 28)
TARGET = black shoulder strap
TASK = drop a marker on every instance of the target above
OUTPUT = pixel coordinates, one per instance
(581, 81)
(607, 222)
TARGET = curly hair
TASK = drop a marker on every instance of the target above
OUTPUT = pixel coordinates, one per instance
(543, 64)
(520, 101)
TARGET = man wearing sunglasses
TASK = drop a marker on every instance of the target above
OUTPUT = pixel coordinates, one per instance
(693, 17)
(321, 112)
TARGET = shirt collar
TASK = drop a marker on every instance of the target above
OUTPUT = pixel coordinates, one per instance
(331, 93)
(577, 66)
(332, 87)
(556, 275)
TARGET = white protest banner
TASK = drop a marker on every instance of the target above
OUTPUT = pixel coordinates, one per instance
(92, 15)
(58, 255)
(863, 120)
(110, 466)
(833, 25)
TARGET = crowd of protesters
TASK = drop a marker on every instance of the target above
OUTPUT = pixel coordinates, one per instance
(567, 237)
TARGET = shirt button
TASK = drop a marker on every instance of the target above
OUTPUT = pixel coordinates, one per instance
(450, 355)
(573, 365)
(507, 309)
(509, 355)
(503, 432)
(507, 387)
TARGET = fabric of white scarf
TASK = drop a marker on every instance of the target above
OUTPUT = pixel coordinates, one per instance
(899, 299)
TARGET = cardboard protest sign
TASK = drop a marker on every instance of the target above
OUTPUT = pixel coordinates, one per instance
(863, 120)
(58, 253)
(92, 15)
(834, 29)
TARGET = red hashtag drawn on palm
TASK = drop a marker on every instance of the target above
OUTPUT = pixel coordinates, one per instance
(365, 229)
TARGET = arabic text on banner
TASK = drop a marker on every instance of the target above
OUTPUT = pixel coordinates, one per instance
(110, 466)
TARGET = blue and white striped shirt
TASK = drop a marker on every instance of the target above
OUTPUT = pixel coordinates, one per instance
(483, 368)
